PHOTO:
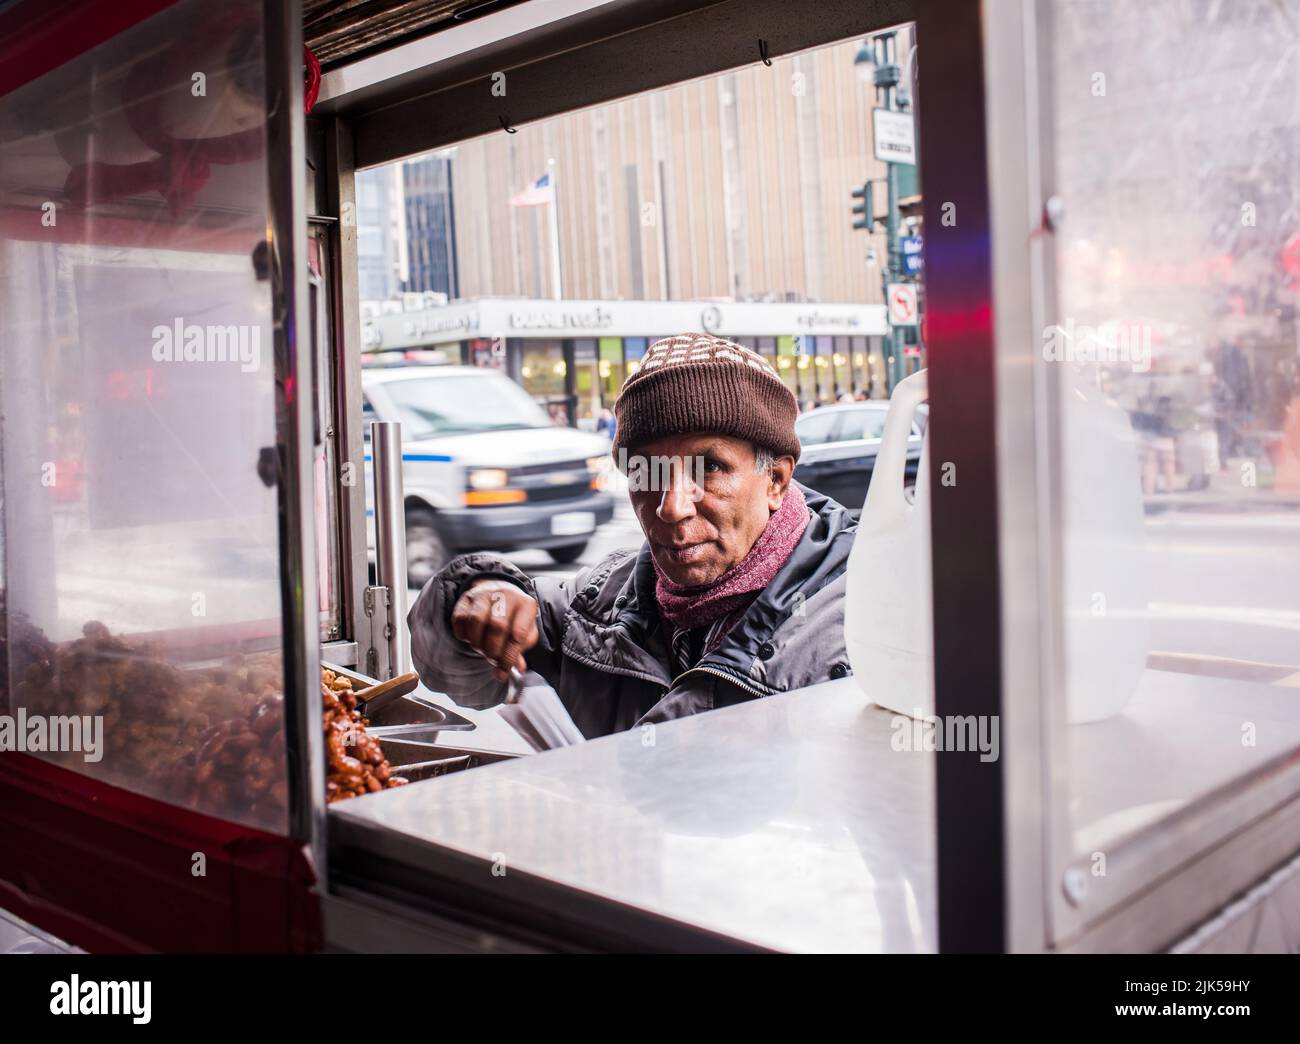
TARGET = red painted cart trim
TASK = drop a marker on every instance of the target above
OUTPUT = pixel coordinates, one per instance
(109, 870)
(37, 36)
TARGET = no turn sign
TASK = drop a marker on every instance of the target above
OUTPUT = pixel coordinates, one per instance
(902, 304)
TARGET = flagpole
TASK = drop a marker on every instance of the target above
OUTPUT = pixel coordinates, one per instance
(557, 289)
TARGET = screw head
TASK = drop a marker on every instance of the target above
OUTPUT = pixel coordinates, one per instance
(1054, 212)
(1075, 885)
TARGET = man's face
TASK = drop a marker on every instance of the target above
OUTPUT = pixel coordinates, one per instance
(709, 504)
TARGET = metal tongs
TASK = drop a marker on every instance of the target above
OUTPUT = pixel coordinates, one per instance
(542, 717)
(514, 685)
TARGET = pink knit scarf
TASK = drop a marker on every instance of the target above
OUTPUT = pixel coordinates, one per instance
(696, 606)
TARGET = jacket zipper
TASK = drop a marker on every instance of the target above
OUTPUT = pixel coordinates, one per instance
(725, 675)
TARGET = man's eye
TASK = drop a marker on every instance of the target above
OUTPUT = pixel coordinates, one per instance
(712, 466)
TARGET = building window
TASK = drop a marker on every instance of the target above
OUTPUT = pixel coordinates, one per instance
(822, 369)
(542, 369)
(861, 375)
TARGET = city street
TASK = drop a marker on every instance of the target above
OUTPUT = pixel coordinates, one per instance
(1221, 585)
(1225, 585)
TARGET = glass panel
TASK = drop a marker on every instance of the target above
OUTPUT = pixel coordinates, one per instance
(1175, 358)
(823, 370)
(543, 370)
(859, 346)
(143, 598)
(815, 428)
(878, 369)
(586, 382)
(865, 423)
(840, 367)
(611, 369)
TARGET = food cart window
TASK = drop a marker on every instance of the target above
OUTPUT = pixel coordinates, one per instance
(706, 237)
(1172, 360)
(142, 616)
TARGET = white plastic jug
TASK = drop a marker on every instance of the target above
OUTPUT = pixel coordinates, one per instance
(1106, 584)
(887, 619)
(887, 626)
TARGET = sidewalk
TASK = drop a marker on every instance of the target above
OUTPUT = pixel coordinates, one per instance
(1227, 498)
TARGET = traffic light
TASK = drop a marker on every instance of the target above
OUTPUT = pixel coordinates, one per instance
(866, 213)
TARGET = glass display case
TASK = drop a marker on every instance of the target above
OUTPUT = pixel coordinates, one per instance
(142, 604)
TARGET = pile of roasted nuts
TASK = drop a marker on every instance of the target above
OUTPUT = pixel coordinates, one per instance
(210, 738)
(354, 762)
(235, 767)
(23, 647)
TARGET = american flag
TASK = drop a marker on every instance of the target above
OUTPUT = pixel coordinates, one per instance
(538, 194)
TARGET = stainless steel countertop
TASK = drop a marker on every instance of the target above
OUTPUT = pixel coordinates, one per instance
(786, 822)
(1178, 740)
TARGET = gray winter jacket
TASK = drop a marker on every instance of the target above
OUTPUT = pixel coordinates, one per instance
(602, 648)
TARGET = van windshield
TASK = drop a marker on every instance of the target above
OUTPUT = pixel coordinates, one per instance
(432, 406)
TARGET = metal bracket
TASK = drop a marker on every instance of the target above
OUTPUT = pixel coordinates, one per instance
(378, 604)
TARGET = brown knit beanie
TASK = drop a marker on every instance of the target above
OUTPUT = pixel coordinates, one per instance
(697, 382)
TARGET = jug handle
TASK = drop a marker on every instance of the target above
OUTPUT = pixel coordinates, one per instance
(885, 494)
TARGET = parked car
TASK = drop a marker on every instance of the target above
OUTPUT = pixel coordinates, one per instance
(840, 444)
(483, 466)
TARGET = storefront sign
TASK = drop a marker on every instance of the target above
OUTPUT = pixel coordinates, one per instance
(844, 322)
(778, 319)
(560, 320)
(649, 319)
(434, 322)
(417, 329)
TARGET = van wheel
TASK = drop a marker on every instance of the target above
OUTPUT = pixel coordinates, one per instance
(425, 551)
(568, 553)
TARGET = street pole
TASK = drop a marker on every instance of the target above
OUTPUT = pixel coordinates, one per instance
(892, 268)
(886, 77)
(879, 56)
(557, 289)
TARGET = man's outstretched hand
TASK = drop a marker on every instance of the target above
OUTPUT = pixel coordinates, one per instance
(499, 620)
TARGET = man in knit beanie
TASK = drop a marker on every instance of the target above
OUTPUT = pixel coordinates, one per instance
(715, 408)
(736, 593)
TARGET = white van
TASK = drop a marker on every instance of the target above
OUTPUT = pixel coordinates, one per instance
(483, 466)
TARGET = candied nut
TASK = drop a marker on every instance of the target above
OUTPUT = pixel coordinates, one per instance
(260, 767)
(266, 719)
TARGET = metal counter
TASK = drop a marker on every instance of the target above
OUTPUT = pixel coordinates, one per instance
(787, 823)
